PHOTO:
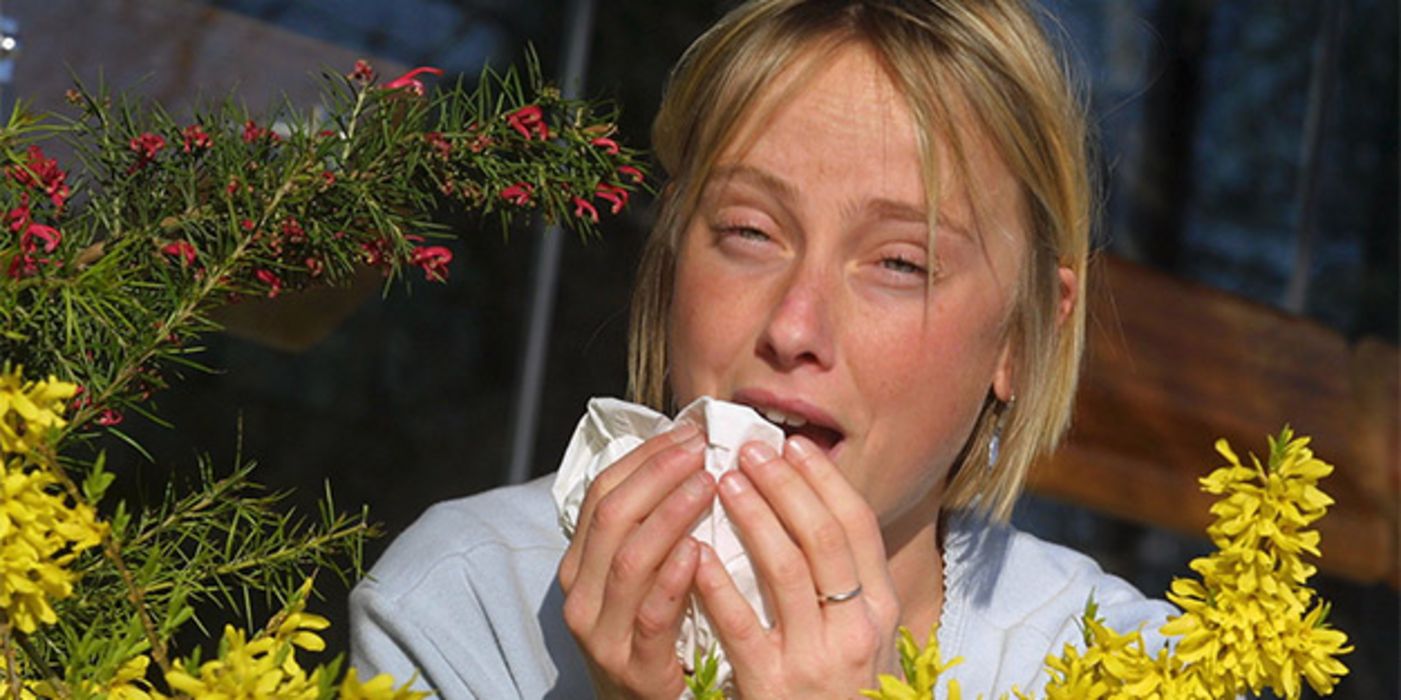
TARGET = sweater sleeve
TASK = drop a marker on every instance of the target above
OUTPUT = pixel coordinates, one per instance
(466, 599)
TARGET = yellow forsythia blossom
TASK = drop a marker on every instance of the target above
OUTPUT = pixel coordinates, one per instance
(29, 409)
(1250, 622)
(41, 531)
(922, 668)
(266, 667)
(380, 687)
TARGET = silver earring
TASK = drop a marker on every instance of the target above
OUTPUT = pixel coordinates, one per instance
(995, 442)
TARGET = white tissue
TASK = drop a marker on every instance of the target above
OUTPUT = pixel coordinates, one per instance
(611, 428)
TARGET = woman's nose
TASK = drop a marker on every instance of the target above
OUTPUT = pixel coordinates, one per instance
(799, 327)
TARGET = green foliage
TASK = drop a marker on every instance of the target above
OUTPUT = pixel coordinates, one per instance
(701, 681)
(109, 274)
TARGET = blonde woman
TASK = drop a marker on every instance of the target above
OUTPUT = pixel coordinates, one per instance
(875, 231)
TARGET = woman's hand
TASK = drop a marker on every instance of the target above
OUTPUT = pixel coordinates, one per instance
(629, 569)
(817, 546)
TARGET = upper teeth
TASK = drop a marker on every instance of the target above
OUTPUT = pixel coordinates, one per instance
(780, 418)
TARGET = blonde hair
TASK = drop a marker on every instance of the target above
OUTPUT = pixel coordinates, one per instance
(1009, 85)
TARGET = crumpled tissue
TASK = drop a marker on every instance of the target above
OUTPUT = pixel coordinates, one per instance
(611, 428)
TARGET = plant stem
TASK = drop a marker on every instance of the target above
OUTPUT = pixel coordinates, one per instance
(11, 662)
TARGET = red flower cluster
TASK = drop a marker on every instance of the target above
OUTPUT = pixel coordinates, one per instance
(146, 146)
(608, 145)
(196, 138)
(613, 193)
(41, 172)
(252, 132)
(529, 121)
(518, 194)
(633, 173)
(33, 237)
(409, 80)
(184, 251)
(271, 279)
(362, 72)
(433, 260)
(583, 209)
(440, 144)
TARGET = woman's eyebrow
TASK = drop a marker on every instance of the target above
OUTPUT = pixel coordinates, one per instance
(778, 187)
(882, 209)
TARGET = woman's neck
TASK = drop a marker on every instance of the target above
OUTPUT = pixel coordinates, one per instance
(915, 554)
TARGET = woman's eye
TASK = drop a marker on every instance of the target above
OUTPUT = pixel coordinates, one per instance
(902, 265)
(750, 234)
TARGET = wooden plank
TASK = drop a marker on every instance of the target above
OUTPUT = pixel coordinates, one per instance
(1172, 365)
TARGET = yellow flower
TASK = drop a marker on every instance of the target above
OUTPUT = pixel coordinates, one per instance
(263, 668)
(266, 667)
(1250, 622)
(41, 532)
(28, 410)
(380, 687)
(922, 668)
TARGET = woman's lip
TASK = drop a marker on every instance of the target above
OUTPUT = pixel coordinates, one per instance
(760, 398)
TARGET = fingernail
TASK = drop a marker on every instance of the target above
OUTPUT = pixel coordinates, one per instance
(694, 443)
(757, 452)
(734, 483)
(707, 555)
(695, 484)
(801, 448)
(683, 432)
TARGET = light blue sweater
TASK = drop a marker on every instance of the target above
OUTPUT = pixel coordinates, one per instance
(467, 599)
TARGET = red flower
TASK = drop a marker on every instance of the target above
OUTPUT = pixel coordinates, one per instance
(436, 140)
(146, 146)
(232, 187)
(293, 230)
(183, 250)
(434, 261)
(376, 252)
(252, 132)
(48, 234)
(271, 279)
(613, 193)
(42, 172)
(518, 194)
(408, 80)
(328, 177)
(196, 138)
(631, 172)
(80, 399)
(315, 267)
(608, 145)
(362, 72)
(18, 218)
(247, 224)
(529, 119)
(109, 417)
(582, 209)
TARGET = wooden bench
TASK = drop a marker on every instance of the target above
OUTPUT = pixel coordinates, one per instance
(1172, 365)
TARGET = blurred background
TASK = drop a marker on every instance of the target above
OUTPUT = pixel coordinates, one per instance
(1247, 276)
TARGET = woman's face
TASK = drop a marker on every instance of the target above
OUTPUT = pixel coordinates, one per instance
(801, 285)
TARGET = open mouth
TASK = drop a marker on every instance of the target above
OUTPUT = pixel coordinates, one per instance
(797, 418)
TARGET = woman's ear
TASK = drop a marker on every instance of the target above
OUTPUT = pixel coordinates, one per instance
(1069, 294)
(1002, 374)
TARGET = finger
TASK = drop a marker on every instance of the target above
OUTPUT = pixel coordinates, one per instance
(743, 636)
(605, 483)
(635, 567)
(808, 520)
(850, 508)
(658, 621)
(776, 557)
(626, 505)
